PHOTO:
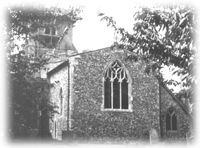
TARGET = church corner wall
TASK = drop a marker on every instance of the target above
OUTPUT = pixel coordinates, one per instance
(59, 80)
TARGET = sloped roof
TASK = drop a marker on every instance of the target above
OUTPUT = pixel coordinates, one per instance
(66, 62)
(181, 104)
(58, 67)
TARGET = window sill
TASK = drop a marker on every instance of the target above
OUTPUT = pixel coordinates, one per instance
(172, 131)
(116, 110)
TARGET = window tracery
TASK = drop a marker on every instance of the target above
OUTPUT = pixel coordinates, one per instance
(171, 120)
(116, 87)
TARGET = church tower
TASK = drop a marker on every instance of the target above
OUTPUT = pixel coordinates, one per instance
(52, 39)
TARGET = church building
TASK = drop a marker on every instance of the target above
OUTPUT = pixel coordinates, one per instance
(101, 94)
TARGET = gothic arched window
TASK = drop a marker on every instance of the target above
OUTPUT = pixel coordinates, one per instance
(171, 120)
(116, 87)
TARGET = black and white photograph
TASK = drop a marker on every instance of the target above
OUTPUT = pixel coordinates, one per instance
(97, 73)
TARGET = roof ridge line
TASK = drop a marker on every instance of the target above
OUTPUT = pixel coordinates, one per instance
(183, 106)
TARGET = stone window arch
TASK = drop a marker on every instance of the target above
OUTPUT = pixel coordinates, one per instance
(171, 120)
(116, 87)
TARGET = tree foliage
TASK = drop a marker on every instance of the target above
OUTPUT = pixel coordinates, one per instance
(29, 93)
(164, 35)
(25, 20)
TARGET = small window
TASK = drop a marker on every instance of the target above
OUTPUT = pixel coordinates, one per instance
(47, 30)
(171, 120)
(116, 87)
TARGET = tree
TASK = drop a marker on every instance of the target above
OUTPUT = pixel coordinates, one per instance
(29, 93)
(24, 21)
(162, 37)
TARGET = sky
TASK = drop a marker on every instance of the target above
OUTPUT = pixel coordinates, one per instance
(90, 33)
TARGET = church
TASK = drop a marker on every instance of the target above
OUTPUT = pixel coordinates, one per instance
(100, 94)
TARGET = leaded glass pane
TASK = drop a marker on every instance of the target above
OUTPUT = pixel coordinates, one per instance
(124, 94)
(107, 93)
(116, 94)
(174, 122)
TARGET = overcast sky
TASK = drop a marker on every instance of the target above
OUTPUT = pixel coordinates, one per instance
(91, 33)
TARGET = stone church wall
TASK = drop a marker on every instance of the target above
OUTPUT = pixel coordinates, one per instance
(59, 80)
(89, 118)
(182, 119)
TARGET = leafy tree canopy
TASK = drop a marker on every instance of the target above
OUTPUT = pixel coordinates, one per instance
(164, 36)
(24, 20)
